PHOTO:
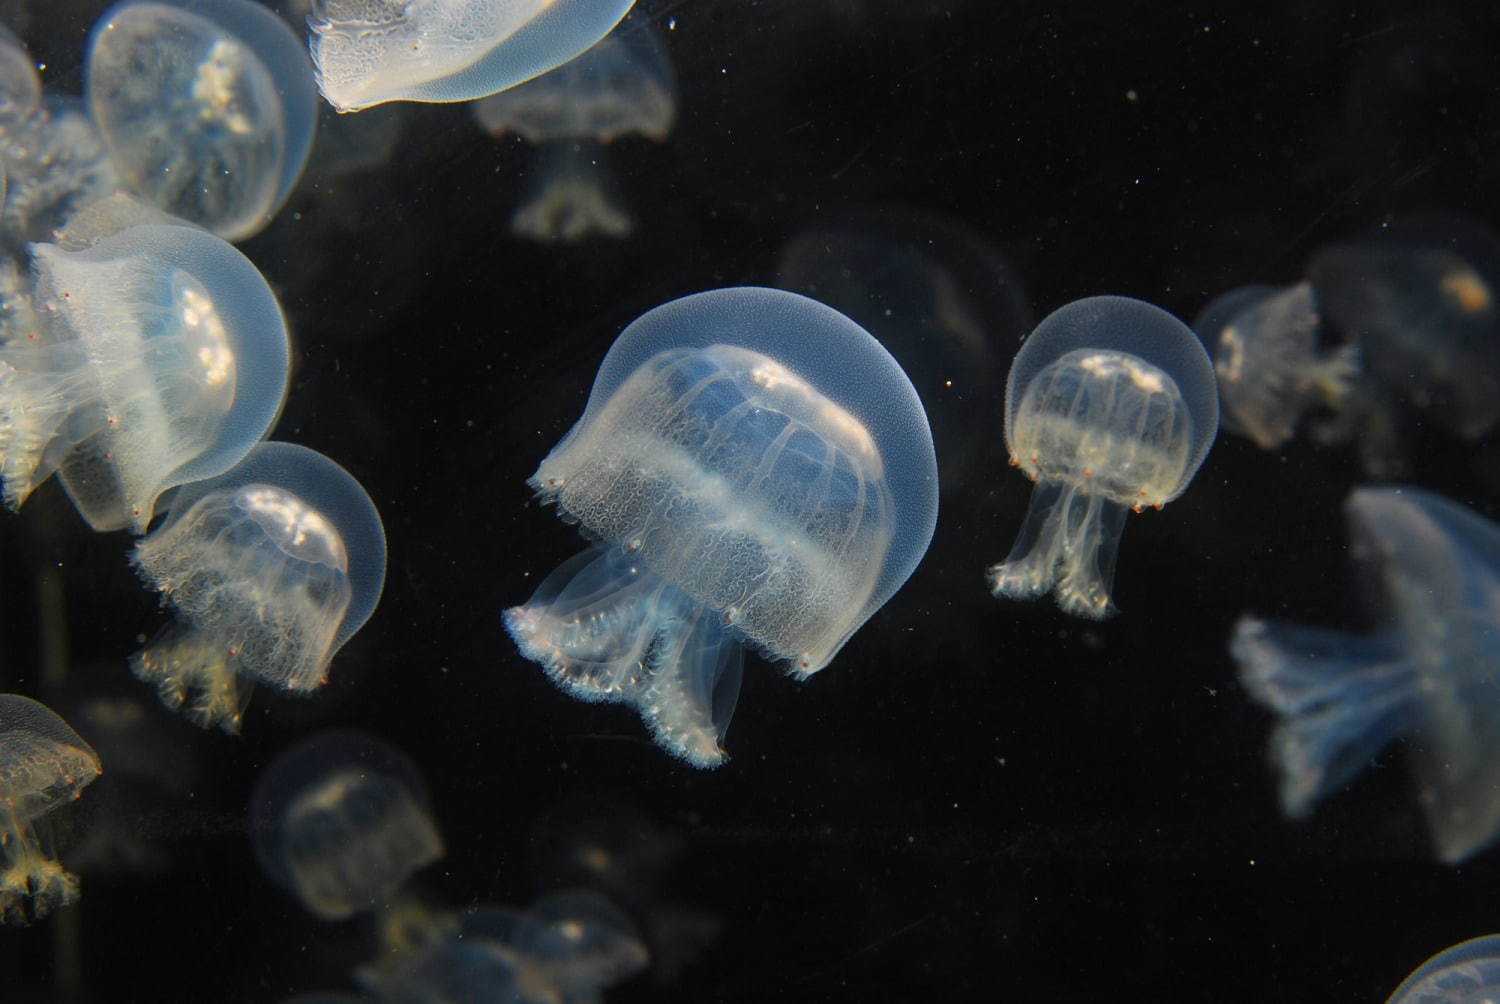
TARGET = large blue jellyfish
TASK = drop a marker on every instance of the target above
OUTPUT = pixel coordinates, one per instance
(153, 356)
(1428, 673)
(270, 568)
(755, 470)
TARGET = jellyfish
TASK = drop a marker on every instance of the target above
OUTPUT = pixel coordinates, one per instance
(1428, 672)
(269, 569)
(340, 822)
(1466, 972)
(755, 471)
(151, 358)
(1110, 407)
(208, 109)
(623, 86)
(43, 764)
(1265, 346)
(55, 163)
(20, 84)
(366, 54)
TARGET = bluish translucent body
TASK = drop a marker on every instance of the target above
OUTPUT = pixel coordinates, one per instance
(270, 568)
(340, 821)
(368, 53)
(1466, 973)
(151, 358)
(208, 107)
(1110, 406)
(1429, 670)
(756, 470)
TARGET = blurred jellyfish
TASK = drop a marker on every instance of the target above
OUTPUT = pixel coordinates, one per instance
(623, 86)
(1465, 973)
(369, 53)
(43, 764)
(1110, 407)
(340, 821)
(939, 298)
(757, 472)
(1265, 346)
(569, 946)
(20, 84)
(153, 357)
(208, 109)
(1419, 300)
(55, 163)
(1428, 672)
(269, 568)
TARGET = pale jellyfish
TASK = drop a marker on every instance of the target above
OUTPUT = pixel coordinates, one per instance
(757, 471)
(1465, 973)
(153, 357)
(1427, 673)
(1264, 341)
(269, 569)
(43, 764)
(208, 109)
(341, 822)
(55, 164)
(367, 53)
(20, 84)
(1110, 407)
(624, 86)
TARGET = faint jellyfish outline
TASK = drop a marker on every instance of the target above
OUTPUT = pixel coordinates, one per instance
(758, 472)
(1129, 366)
(1455, 975)
(268, 568)
(43, 764)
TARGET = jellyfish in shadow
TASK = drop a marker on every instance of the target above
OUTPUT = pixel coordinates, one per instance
(1427, 674)
(623, 86)
(1465, 973)
(43, 765)
(1264, 341)
(1110, 407)
(755, 470)
(269, 569)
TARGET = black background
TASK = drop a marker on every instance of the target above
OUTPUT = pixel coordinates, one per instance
(977, 799)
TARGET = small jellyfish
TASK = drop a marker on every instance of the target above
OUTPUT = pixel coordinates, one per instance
(757, 471)
(367, 53)
(269, 569)
(1428, 672)
(623, 86)
(1110, 407)
(1265, 346)
(208, 109)
(43, 764)
(341, 821)
(1465, 973)
(153, 357)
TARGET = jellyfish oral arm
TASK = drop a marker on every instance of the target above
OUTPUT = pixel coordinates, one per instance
(1067, 546)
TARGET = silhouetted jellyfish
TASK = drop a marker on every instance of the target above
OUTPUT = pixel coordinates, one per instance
(208, 109)
(449, 50)
(1264, 342)
(1419, 300)
(1110, 407)
(937, 295)
(1428, 672)
(622, 86)
(1465, 973)
(43, 764)
(269, 569)
(756, 470)
(340, 822)
(153, 357)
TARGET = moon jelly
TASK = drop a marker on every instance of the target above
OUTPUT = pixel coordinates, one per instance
(43, 764)
(757, 471)
(1465, 973)
(154, 357)
(1110, 407)
(208, 109)
(270, 568)
(368, 52)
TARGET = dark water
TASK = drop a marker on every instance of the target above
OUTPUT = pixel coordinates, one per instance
(977, 799)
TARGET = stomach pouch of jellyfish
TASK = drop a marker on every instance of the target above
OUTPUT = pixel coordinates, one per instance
(751, 492)
(605, 627)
